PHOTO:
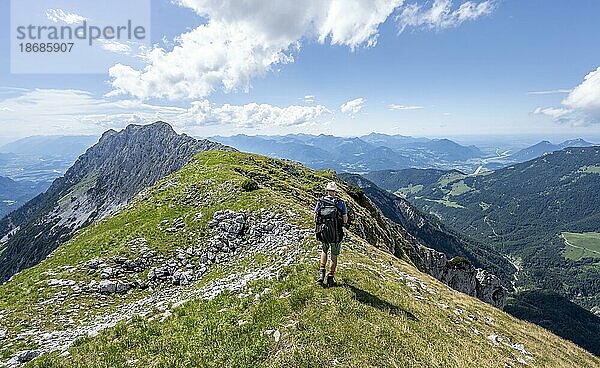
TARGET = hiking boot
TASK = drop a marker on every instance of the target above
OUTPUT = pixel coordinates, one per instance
(330, 281)
(321, 278)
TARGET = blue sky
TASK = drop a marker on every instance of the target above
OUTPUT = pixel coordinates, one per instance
(441, 76)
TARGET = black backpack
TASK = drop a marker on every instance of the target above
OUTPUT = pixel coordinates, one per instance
(329, 221)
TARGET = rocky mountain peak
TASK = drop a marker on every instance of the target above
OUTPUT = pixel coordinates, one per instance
(101, 181)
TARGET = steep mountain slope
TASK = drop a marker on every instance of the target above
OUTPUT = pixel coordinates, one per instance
(431, 232)
(522, 210)
(99, 183)
(559, 315)
(215, 266)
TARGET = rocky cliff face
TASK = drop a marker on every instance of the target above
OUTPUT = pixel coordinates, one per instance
(430, 246)
(460, 275)
(100, 182)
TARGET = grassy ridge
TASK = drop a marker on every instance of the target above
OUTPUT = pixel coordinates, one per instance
(385, 313)
(373, 319)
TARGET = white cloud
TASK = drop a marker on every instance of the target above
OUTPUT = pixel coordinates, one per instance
(241, 40)
(59, 15)
(309, 99)
(586, 96)
(550, 92)
(404, 107)
(115, 46)
(353, 107)
(581, 106)
(442, 14)
(555, 113)
(252, 115)
(245, 39)
(52, 111)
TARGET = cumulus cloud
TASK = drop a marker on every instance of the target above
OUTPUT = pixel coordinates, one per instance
(251, 115)
(53, 111)
(586, 96)
(245, 39)
(404, 107)
(353, 107)
(582, 104)
(59, 15)
(443, 14)
(241, 40)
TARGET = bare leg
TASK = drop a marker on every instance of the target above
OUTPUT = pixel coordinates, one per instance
(333, 264)
(322, 268)
(324, 259)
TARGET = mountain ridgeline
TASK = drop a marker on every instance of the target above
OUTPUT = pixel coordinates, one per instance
(356, 154)
(546, 147)
(100, 182)
(215, 264)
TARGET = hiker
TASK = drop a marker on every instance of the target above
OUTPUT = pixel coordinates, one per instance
(331, 214)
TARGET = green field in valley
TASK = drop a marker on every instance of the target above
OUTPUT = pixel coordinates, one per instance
(581, 245)
(411, 189)
(594, 169)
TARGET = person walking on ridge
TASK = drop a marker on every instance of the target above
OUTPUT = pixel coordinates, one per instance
(331, 215)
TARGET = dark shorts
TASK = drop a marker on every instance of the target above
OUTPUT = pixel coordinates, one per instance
(335, 248)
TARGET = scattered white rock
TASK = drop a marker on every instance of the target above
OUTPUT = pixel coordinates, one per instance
(520, 360)
(495, 339)
(235, 236)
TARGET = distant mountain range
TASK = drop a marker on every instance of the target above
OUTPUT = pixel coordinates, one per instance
(378, 151)
(13, 194)
(539, 149)
(47, 145)
(545, 147)
(356, 154)
(42, 158)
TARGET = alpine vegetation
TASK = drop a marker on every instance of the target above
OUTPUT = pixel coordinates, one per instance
(196, 270)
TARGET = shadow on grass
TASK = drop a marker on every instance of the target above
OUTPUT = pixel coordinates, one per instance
(374, 301)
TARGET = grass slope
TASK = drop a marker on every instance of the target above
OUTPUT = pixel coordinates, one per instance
(384, 314)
